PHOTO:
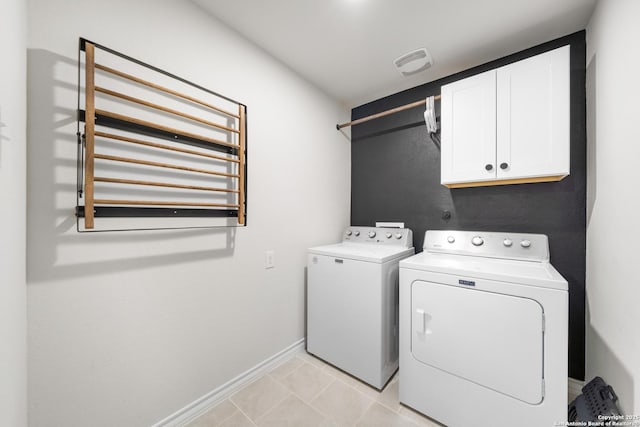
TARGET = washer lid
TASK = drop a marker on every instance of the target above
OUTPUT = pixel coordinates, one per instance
(532, 273)
(362, 251)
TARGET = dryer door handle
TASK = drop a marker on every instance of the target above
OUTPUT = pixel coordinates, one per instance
(420, 320)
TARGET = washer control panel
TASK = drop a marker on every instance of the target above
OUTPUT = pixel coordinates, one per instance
(379, 235)
(521, 246)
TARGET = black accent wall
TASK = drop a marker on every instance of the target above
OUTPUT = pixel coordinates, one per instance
(395, 176)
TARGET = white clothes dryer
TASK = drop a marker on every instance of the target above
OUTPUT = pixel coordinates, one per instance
(483, 331)
(352, 301)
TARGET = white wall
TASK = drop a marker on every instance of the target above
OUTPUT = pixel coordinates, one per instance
(13, 305)
(126, 328)
(613, 287)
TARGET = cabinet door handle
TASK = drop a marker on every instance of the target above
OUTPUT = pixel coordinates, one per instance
(504, 165)
(489, 166)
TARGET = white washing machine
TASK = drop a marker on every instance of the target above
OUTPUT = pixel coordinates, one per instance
(352, 301)
(483, 331)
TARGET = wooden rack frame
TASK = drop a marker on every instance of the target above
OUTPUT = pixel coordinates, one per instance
(233, 153)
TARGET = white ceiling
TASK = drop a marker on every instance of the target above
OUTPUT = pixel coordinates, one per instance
(347, 47)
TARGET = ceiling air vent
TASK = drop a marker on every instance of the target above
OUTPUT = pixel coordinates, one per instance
(413, 62)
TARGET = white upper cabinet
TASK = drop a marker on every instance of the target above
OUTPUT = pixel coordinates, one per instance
(508, 125)
(468, 118)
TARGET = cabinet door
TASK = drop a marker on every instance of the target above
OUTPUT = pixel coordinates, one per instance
(469, 129)
(533, 116)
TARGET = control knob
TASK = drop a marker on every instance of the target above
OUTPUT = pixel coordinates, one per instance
(507, 242)
(525, 243)
(389, 235)
(477, 241)
(356, 233)
(349, 233)
(372, 234)
(451, 239)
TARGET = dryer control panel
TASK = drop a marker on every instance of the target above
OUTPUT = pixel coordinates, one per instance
(379, 235)
(519, 246)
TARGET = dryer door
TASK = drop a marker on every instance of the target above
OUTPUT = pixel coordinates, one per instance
(491, 339)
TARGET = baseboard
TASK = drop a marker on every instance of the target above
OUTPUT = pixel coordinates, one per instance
(575, 388)
(211, 399)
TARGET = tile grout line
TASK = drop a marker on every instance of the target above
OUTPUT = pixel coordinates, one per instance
(315, 396)
(349, 382)
(275, 405)
(326, 369)
(277, 381)
(241, 411)
(346, 380)
(192, 411)
(350, 379)
(268, 374)
(295, 356)
(373, 402)
(232, 404)
(333, 380)
(300, 367)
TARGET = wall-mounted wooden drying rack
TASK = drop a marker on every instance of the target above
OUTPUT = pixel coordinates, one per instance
(384, 113)
(155, 145)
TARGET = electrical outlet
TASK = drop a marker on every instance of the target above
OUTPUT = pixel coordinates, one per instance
(269, 259)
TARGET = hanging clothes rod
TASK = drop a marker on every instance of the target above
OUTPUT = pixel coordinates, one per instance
(384, 113)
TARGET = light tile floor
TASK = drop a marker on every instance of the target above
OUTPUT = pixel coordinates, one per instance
(306, 392)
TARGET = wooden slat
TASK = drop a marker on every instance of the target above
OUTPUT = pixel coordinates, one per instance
(160, 203)
(162, 146)
(164, 128)
(384, 113)
(161, 108)
(241, 165)
(89, 130)
(162, 165)
(554, 178)
(161, 184)
(164, 89)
